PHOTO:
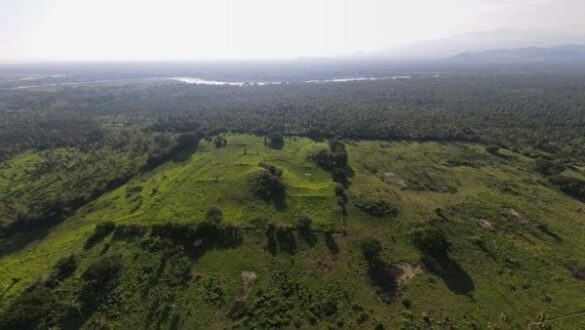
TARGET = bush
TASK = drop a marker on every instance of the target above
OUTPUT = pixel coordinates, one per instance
(214, 214)
(334, 160)
(270, 168)
(377, 208)
(492, 149)
(187, 141)
(31, 310)
(127, 231)
(430, 240)
(102, 270)
(267, 185)
(547, 167)
(371, 249)
(220, 141)
(65, 267)
(304, 223)
(572, 186)
(276, 140)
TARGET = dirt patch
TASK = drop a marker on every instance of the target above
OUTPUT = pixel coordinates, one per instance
(248, 279)
(485, 224)
(238, 309)
(409, 271)
(392, 178)
(514, 214)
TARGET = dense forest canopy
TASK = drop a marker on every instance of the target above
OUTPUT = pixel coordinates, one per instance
(540, 111)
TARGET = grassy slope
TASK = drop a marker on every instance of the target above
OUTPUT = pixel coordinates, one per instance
(522, 272)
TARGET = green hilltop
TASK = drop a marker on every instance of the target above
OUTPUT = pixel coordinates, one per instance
(242, 234)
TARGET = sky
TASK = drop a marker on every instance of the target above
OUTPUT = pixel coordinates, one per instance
(61, 30)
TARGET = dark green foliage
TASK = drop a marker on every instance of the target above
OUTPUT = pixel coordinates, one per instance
(35, 309)
(267, 184)
(179, 269)
(492, 149)
(280, 238)
(548, 167)
(220, 141)
(271, 168)
(103, 270)
(214, 214)
(188, 141)
(572, 186)
(285, 236)
(334, 160)
(377, 208)
(286, 303)
(101, 230)
(198, 239)
(430, 240)
(304, 223)
(65, 267)
(129, 231)
(276, 140)
(371, 249)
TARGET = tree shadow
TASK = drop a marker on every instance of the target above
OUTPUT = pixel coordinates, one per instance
(279, 202)
(546, 230)
(309, 237)
(456, 279)
(197, 240)
(280, 238)
(19, 240)
(383, 276)
(129, 232)
(331, 243)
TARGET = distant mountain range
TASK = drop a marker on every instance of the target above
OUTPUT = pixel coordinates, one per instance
(529, 41)
(565, 53)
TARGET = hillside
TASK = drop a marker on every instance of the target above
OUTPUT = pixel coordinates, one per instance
(413, 235)
(560, 54)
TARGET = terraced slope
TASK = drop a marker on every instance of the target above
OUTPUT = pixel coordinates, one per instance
(514, 258)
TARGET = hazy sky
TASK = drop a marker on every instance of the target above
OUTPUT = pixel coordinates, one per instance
(227, 29)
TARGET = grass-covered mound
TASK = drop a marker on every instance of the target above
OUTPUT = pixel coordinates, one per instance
(190, 244)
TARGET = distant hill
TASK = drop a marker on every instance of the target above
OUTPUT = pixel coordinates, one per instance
(565, 53)
(479, 42)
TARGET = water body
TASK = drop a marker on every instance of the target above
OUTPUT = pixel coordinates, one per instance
(200, 81)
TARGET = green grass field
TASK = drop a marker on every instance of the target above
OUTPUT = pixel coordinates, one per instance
(514, 242)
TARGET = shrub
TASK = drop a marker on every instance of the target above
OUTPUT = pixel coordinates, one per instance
(275, 140)
(127, 231)
(371, 249)
(31, 310)
(377, 206)
(65, 267)
(214, 214)
(270, 168)
(187, 141)
(339, 189)
(430, 240)
(304, 223)
(492, 149)
(266, 185)
(220, 141)
(334, 160)
(547, 167)
(572, 186)
(102, 270)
